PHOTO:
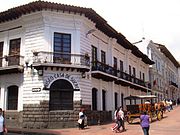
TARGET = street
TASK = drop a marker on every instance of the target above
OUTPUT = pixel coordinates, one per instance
(169, 125)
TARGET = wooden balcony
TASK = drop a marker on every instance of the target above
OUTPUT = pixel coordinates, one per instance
(66, 61)
(11, 64)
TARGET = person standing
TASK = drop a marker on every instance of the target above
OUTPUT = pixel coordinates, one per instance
(2, 123)
(145, 124)
(81, 118)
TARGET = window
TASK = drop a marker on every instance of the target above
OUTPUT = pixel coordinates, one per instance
(129, 70)
(94, 56)
(94, 99)
(14, 52)
(152, 56)
(115, 62)
(94, 53)
(134, 72)
(156, 65)
(1, 52)
(12, 98)
(121, 66)
(143, 77)
(104, 100)
(116, 100)
(61, 95)
(62, 47)
(103, 57)
(14, 46)
(122, 100)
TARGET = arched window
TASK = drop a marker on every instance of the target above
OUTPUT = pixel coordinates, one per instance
(61, 95)
(12, 97)
(94, 99)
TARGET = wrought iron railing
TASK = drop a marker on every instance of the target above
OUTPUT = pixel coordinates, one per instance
(130, 78)
(124, 75)
(99, 66)
(61, 58)
(173, 83)
(11, 60)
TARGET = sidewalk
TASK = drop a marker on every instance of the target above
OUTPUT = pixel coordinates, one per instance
(169, 125)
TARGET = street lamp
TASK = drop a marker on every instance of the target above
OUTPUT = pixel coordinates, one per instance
(143, 38)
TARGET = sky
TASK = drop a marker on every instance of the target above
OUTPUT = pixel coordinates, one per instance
(156, 20)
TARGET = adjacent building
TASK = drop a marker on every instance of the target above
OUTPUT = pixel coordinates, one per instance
(55, 59)
(164, 74)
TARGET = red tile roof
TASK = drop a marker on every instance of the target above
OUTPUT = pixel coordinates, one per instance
(101, 24)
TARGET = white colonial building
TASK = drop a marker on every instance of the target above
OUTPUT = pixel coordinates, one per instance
(57, 58)
(164, 73)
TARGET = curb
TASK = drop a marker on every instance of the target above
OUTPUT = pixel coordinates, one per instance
(33, 131)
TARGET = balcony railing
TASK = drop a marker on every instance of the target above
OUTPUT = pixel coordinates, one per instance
(130, 78)
(173, 83)
(99, 66)
(61, 58)
(11, 60)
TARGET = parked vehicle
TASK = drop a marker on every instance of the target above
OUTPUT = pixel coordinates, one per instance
(133, 111)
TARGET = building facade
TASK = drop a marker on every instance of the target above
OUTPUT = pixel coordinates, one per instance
(57, 58)
(164, 73)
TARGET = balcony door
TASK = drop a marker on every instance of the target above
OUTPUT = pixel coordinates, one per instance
(14, 52)
(62, 48)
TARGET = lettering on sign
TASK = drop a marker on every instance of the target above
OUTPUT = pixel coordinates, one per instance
(57, 76)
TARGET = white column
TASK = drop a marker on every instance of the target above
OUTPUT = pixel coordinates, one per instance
(112, 98)
(128, 53)
(100, 96)
(2, 100)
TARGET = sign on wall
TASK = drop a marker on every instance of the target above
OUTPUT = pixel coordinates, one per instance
(56, 76)
(36, 89)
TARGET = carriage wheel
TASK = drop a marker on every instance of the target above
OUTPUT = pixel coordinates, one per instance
(129, 119)
(159, 115)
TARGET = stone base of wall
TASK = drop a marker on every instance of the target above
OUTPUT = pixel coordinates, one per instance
(38, 116)
(13, 119)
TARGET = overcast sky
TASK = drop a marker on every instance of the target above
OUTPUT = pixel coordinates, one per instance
(156, 20)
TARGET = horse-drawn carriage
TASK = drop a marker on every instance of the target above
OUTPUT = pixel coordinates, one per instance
(133, 111)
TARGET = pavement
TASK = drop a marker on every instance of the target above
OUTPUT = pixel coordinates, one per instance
(169, 125)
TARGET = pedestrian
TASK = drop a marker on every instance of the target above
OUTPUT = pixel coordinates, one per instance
(168, 105)
(145, 124)
(171, 104)
(121, 119)
(3, 128)
(116, 117)
(81, 118)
